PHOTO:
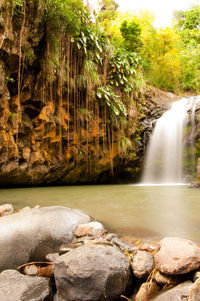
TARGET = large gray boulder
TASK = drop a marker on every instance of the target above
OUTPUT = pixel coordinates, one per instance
(17, 287)
(92, 273)
(177, 256)
(31, 234)
(178, 293)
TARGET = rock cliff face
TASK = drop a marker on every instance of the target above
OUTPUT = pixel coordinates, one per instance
(196, 151)
(50, 133)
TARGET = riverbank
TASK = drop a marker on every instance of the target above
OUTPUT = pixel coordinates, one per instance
(76, 258)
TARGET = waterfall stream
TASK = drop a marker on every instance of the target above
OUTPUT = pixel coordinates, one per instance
(164, 159)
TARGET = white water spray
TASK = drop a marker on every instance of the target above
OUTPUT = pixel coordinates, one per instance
(165, 150)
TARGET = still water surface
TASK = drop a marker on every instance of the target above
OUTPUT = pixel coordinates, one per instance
(139, 211)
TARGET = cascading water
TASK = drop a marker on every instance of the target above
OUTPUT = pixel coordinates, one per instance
(165, 151)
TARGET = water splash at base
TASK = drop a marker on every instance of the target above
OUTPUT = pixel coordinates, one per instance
(165, 152)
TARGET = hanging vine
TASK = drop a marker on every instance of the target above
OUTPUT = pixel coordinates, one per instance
(85, 83)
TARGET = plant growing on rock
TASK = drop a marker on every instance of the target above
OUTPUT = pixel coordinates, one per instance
(124, 69)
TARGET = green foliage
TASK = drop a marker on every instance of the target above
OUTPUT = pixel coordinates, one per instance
(169, 57)
(91, 72)
(10, 79)
(161, 59)
(108, 5)
(187, 25)
(107, 13)
(13, 3)
(197, 148)
(56, 118)
(29, 54)
(190, 58)
(65, 15)
(13, 7)
(125, 144)
(131, 33)
(124, 69)
(189, 19)
(107, 96)
(14, 116)
(86, 113)
(18, 2)
(91, 39)
(138, 133)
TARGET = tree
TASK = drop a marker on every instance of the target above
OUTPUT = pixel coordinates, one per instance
(161, 59)
(107, 13)
(189, 19)
(131, 33)
(187, 25)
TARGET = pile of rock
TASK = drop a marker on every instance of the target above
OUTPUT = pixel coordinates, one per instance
(90, 264)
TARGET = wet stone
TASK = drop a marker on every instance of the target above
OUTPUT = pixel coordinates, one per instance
(163, 279)
(143, 264)
(147, 291)
(147, 246)
(180, 292)
(123, 245)
(195, 291)
(92, 273)
(17, 287)
(196, 275)
(177, 256)
(6, 209)
(110, 236)
(51, 257)
(89, 229)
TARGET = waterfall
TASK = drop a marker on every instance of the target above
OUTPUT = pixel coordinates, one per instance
(164, 160)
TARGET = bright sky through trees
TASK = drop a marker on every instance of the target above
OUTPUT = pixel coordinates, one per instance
(163, 10)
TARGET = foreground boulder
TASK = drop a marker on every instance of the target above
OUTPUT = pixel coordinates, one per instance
(180, 292)
(147, 291)
(31, 234)
(143, 264)
(177, 256)
(17, 287)
(92, 273)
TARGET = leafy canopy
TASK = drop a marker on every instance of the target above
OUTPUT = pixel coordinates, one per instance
(131, 33)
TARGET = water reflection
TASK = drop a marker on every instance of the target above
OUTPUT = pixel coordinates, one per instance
(148, 212)
(168, 215)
